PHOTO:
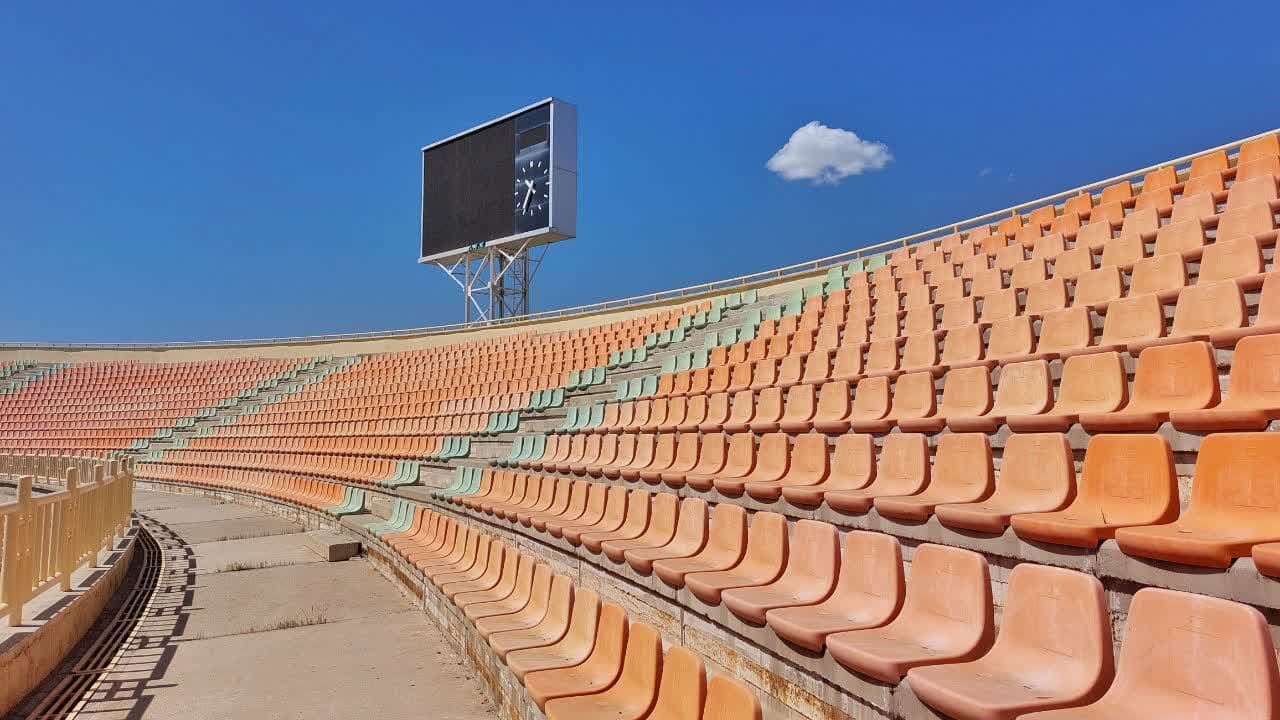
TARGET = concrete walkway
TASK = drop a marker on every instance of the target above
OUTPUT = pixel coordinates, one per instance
(250, 623)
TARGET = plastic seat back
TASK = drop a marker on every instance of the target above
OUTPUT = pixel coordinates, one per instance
(1159, 274)
(949, 289)
(1073, 263)
(1261, 167)
(914, 396)
(1122, 251)
(958, 313)
(768, 405)
(727, 699)
(1231, 259)
(1246, 220)
(903, 467)
(1186, 236)
(882, 356)
(1255, 373)
(870, 399)
(1095, 383)
(682, 690)
(1193, 206)
(1187, 655)
(742, 410)
(1142, 222)
(767, 547)
(637, 684)
(1209, 308)
(834, 402)
(1025, 388)
(1048, 247)
(1046, 296)
(1065, 330)
(1095, 236)
(848, 363)
(1027, 273)
(1009, 255)
(919, 320)
(853, 460)
(919, 352)
(740, 455)
(1098, 287)
(949, 592)
(1133, 320)
(962, 345)
(1235, 484)
(800, 404)
(1129, 479)
(1261, 148)
(885, 325)
(718, 409)
(966, 392)
(1000, 305)
(1014, 337)
(986, 282)
(817, 367)
(1060, 618)
(1174, 377)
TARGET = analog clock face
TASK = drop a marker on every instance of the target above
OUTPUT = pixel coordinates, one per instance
(532, 188)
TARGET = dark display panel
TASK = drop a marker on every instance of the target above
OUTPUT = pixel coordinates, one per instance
(467, 188)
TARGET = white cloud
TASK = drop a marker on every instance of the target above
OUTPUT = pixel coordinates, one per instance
(827, 155)
(985, 171)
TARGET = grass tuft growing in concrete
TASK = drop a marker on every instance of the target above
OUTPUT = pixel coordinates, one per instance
(242, 566)
(311, 616)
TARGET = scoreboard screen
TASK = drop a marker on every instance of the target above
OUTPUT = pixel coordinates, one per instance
(513, 179)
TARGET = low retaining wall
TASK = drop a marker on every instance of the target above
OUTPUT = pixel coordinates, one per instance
(506, 692)
(58, 621)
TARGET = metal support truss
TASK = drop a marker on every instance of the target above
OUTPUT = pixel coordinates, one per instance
(495, 281)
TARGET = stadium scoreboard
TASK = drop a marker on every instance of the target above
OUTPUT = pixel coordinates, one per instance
(510, 182)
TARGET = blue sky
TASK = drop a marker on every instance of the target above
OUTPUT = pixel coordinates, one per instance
(175, 171)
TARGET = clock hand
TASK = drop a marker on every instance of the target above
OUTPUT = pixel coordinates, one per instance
(524, 205)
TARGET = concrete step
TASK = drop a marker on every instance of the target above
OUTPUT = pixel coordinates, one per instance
(331, 545)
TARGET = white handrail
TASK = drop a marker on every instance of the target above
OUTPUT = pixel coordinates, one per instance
(692, 291)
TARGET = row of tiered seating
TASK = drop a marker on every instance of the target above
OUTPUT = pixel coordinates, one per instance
(578, 658)
(109, 406)
(1093, 391)
(856, 605)
(358, 424)
(1128, 481)
(331, 497)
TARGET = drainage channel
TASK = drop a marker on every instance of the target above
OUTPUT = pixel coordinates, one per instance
(65, 699)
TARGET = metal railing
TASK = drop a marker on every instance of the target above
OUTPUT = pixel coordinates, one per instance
(48, 537)
(794, 271)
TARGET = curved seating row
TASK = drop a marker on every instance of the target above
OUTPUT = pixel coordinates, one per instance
(1215, 313)
(1092, 390)
(109, 405)
(849, 598)
(1127, 489)
(330, 497)
(578, 658)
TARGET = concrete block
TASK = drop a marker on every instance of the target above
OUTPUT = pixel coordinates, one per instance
(332, 546)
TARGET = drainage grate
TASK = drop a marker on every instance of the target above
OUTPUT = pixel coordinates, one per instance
(65, 698)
